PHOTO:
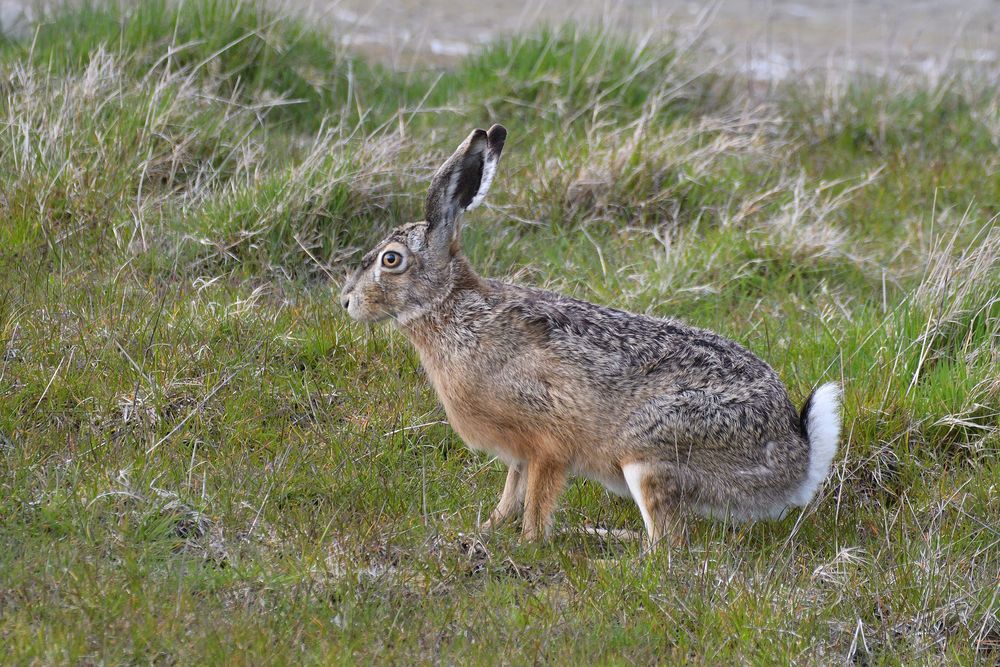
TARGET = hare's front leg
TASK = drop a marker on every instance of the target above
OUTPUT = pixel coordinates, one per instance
(545, 482)
(511, 500)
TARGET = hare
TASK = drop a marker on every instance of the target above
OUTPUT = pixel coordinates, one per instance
(678, 418)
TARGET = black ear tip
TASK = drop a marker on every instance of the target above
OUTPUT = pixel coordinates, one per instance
(497, 135)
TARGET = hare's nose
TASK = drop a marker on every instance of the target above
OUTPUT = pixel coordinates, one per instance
(345, 302)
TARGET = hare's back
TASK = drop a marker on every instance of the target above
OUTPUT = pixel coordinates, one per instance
(621, 349)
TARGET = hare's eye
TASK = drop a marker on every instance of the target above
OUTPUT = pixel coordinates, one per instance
(392, 260)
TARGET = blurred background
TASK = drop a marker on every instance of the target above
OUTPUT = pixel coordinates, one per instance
(770, 39)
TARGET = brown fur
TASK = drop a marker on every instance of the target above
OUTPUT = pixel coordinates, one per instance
(677, 417)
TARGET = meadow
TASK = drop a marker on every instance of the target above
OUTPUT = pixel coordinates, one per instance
(202, 460)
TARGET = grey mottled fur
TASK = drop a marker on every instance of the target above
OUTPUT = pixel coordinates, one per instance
(558, 386)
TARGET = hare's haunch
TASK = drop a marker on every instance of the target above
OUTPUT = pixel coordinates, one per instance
(676, 417)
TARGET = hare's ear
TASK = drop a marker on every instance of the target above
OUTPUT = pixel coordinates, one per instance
(462, 182)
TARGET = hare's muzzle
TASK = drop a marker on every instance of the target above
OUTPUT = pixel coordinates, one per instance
(345, 294)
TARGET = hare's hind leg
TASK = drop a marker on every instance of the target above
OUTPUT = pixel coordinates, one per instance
(657, 491)
(512, 499)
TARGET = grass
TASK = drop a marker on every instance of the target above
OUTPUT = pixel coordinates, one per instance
(203, 460)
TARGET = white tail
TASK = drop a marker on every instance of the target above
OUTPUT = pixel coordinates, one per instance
(821, 423)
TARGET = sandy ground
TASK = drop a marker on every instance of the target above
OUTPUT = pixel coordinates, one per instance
(770, 39)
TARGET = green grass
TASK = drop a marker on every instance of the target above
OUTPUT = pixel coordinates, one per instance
(202, 460)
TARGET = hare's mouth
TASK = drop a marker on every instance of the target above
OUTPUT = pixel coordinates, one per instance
(352, 304)
(357, 312)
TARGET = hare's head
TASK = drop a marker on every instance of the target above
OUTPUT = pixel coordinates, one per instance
(412, 268)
